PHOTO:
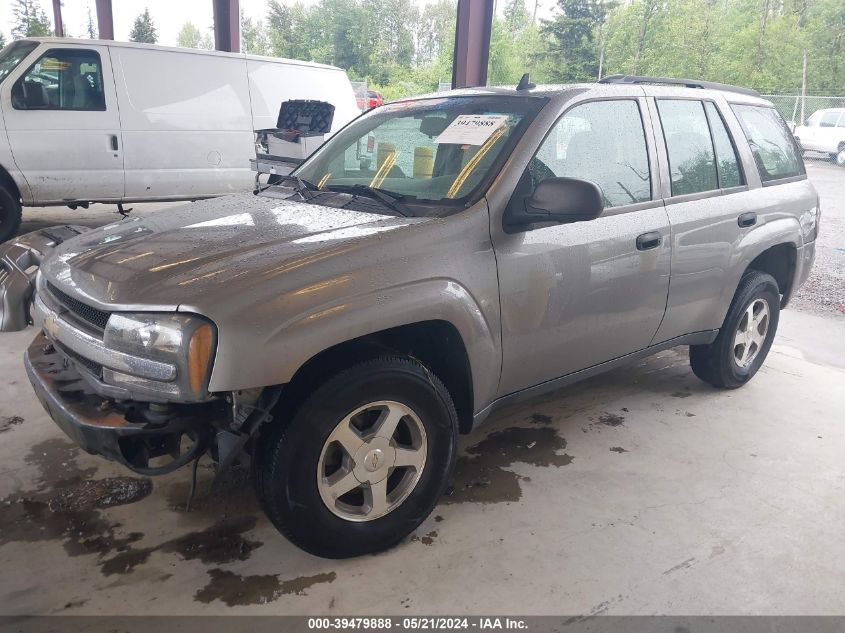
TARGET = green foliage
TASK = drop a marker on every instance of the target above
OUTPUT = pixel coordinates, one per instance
(191, 37)
(143, 30)
(29, 20)
(756, 43)
(404, 47)
(254, 39)
(2, 40)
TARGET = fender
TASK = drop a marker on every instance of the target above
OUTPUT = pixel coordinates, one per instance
(783, 230)
(296, 340)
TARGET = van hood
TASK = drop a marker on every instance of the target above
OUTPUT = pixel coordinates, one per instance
(202, 252)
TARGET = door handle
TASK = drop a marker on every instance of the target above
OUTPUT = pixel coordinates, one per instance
(113, 142)
(648, 241)
(747, 219)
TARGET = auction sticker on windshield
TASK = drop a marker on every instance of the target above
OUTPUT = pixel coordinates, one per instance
(472, 129)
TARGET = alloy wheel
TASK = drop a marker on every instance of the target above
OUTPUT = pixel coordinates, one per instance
(751, 332)
(372, 461)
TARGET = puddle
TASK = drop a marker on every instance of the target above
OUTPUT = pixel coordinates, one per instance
(55, 460)
(611, 419)
(428, 539)
(481, 476)
(8, 422)
(232, 496)
(65, 506)
(220, 543)
(101, 493)
(236, 590)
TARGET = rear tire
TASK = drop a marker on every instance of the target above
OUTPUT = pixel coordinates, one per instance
(839, 157)
(305, 462)
(745, 337)
(10, 214)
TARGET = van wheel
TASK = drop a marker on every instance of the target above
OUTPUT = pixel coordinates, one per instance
(840, 157)
(745, 337)
(363, 460)
(10, 214)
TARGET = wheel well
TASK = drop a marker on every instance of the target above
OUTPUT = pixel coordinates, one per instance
(841, 146)
(9, 183)
(436, 344)
(779, 262)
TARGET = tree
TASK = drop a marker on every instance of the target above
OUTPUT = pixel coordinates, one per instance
(516, 16)
(572, 35)
(89, 26)
(2, 40)
(189, 36)
(30, 20)
(253, 37)
(143, 30)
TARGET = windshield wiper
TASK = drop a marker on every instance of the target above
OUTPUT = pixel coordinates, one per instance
(388, 198)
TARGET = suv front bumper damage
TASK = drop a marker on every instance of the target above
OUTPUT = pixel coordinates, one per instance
(126, 433)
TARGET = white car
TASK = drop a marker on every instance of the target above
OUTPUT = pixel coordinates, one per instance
(100, 121)
(824, 132)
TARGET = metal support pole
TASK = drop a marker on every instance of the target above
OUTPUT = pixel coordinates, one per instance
(57, 18)
(105, 22)
(472, 43)
(227, 25)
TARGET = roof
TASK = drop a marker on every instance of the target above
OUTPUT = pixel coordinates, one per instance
(175, 49)
(605, 89)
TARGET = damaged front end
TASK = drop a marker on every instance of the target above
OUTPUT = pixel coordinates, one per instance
(149, 438)
(19, 262)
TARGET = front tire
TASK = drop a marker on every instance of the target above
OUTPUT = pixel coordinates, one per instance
(10, 214)
(745, 337)
(363, 461)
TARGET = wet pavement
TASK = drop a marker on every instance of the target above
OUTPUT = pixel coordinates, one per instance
(640, 491)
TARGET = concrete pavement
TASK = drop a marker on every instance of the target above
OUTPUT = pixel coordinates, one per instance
(639, 492)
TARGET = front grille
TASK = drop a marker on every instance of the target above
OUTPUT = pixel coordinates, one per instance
(93, 316)
(90, 365)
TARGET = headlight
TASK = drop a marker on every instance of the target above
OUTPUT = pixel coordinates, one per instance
(182, 344)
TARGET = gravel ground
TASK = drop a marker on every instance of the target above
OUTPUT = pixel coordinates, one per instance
(824, 291)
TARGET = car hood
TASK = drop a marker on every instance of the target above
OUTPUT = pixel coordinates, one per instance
(188, 255)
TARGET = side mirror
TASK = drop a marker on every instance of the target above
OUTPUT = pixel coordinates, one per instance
(561, 200)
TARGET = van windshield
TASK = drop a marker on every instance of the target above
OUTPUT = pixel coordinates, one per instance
(13, 55)
(426, 150)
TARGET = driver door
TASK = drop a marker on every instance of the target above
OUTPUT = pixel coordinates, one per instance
(579, 294)
(63, 125)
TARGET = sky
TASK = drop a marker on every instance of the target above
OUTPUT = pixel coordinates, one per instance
(169, 15)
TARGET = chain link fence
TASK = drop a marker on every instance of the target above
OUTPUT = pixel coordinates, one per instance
(790, 106)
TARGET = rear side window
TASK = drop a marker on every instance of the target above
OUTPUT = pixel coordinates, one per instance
(841, 120)
(599, 141)
(692, 162)
(829, 119)
(70, 79)
(727, 165)
(772, 144)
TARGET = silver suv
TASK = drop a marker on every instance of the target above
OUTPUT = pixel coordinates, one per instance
(436, 259)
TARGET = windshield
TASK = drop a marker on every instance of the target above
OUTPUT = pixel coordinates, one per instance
(426, 150)
(12, 55)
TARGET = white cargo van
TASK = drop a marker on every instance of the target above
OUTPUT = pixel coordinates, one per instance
(102, 121)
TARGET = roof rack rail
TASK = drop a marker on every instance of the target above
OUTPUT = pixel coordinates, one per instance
(688, 83)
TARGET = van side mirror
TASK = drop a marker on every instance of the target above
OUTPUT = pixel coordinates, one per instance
(561, 200)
